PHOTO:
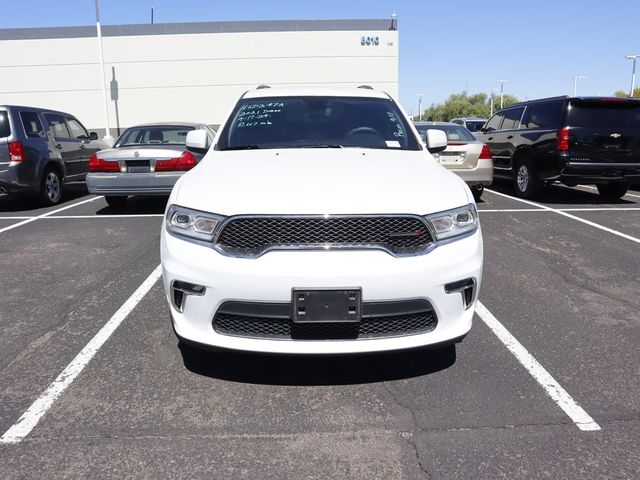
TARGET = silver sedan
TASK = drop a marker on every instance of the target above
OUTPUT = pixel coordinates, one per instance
(145, 160)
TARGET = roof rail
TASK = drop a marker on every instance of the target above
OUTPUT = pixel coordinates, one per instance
(262, 87)
(368, 87)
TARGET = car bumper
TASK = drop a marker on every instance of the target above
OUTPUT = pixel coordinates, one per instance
(593, 172)
(271, 278)
(18, 177)
(481, 174)
(132, 183)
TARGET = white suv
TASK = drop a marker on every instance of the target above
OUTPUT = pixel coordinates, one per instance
(318, 223)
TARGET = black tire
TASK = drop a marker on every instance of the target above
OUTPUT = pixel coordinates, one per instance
(477, 191)
(525, 181)
(116, 201)
(50, 187)
(612, 191)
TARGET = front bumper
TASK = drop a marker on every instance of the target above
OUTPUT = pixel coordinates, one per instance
(132, 183)
(271, 278)
(481, 174)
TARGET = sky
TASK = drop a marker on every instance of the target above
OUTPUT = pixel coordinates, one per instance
(445, 46)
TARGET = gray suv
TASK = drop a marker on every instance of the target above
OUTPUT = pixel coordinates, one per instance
(43, 150)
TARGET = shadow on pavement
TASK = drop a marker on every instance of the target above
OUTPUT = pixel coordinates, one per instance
(560, 195)
(137, 206)
(22, 202)
(317, 370)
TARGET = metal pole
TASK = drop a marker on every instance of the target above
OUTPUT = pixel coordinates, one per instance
(151, 15)
(501, 94)
(420, 105)
(104, 79)
(633, 77)
(575, 84)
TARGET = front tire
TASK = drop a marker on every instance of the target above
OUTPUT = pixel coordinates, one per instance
(525, 181)
(612, 191)
(50, 187)
(116, 201)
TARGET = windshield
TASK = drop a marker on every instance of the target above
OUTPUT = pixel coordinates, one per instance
(611, 114)
(154, 135)
(317, 122)
(455, 133)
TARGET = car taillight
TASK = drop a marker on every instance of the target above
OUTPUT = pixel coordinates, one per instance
(98, 165)
(16, 152)
(562, 143)
(485, 154)
(456, 143)
(184, 162)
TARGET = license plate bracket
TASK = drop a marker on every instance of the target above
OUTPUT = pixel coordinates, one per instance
(328, 305)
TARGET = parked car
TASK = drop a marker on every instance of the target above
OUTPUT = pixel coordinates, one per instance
(469, 158)
(145, 160)
(42, 151)
(473, 124)
(316, 225)
(571, 140)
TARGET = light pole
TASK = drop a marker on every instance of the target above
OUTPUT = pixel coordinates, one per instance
(493, 94)
(633, 73)
(575, 83)
(420, 105)
(502, 82)
(104, 80)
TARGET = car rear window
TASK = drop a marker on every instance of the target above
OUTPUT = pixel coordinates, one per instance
(317, 122)
(602, 113)
(5, 128)
(154, 135)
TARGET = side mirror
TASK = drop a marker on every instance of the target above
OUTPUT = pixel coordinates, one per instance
(197, 141)
(93, 136)
(436, 140)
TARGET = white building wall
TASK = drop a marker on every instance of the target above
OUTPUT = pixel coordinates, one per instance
(185, 76)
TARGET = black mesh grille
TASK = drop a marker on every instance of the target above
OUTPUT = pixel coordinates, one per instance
(284, 328)
(252, 236)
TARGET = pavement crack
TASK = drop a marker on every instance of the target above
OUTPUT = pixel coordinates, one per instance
(410, 439)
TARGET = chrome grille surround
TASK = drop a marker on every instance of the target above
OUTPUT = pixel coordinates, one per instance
(250, 236)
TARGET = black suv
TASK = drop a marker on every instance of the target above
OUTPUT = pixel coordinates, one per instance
(592, 140)
(41, 150)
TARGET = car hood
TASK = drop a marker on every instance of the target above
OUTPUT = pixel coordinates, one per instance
(320, 181)
(144, 151)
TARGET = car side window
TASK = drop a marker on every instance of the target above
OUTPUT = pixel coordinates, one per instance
(76, 129)
(459, 122)
(543, 115)
(512, 118)
(495, 122)
(57, 125)
(32, 124)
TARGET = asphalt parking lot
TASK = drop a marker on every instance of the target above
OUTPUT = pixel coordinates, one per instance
(546, 385)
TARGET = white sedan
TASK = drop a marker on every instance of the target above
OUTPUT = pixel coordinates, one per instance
(319, 223)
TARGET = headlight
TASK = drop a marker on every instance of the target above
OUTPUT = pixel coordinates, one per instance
(185, 222)
(453, 223)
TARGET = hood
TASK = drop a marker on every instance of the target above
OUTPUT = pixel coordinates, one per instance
(320, 181)
(144, 152)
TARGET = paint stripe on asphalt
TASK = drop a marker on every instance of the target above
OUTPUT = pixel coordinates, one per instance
(568, 215)
(44, 215)
(34, 413)
(559, 395)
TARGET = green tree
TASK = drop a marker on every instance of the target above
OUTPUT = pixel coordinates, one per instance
(464, 105)
(623, 94)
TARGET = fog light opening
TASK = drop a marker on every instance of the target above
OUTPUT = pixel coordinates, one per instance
(466, 287)
(180, 290)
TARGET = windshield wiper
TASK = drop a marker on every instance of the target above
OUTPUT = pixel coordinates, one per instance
(243, 147)
(321, 145)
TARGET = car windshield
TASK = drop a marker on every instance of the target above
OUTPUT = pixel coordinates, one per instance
(317, 122)
(455, 133)
(475, 125)
(154, 135)
(603, 113)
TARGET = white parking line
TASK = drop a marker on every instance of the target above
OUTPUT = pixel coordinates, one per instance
(53, 217)
(568, 215)
(34, 413)
(594, 209)
(559, 395)
(44, 215)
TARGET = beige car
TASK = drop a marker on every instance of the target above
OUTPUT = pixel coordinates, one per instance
(464, 155)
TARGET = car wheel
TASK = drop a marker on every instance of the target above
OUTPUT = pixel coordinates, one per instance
(477, 191)
(525, 181)
(51, 187)
(612, 191)
(116, 201)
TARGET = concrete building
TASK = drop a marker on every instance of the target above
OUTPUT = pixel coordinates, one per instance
(188, 71)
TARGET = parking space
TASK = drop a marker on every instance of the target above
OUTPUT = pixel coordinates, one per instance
(566, 290)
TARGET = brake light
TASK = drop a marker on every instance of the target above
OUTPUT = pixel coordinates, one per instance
(562, 143)
(98, 165)
(184, 162)
(485, 154)
(613, 99)
(456, 143)
(16, 152)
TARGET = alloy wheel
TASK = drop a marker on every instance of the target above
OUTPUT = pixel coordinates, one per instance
(52, 186)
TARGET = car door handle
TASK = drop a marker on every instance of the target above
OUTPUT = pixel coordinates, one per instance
(510, 137)
(490, 138)
(59, 146)
(82, 147)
